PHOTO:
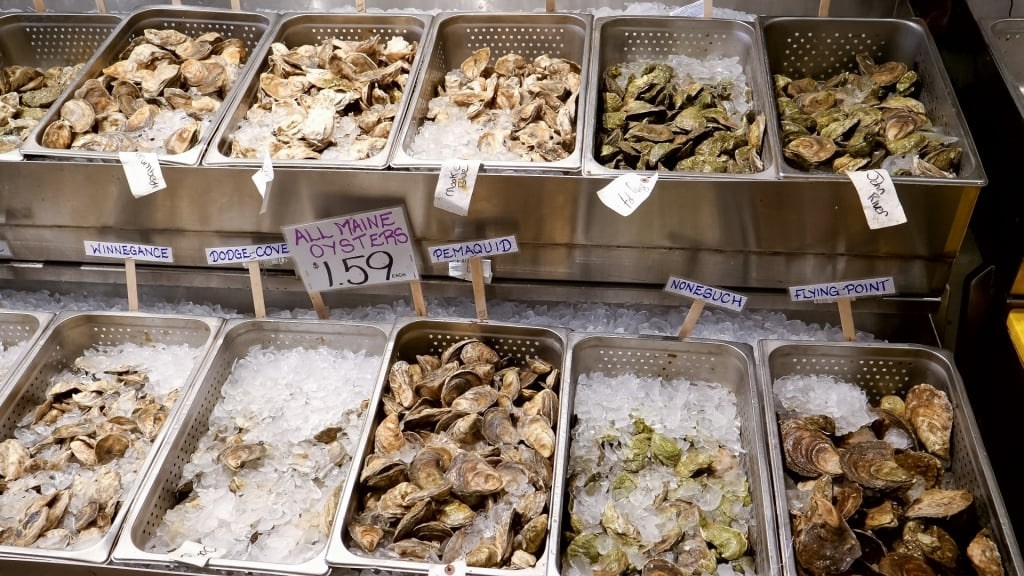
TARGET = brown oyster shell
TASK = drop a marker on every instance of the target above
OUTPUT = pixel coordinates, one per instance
(808, 452)
(931, 414)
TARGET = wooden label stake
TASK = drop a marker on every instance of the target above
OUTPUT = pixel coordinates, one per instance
(132, 283)
(322, 311)
(550, 5)
(256, 285)
(823, 8)
(846, 318)
(39, 5)
(690, 322)
(236, 4)
(360, 6)
(101, 6)
(418, 303)
(709, 8)
(476, 270)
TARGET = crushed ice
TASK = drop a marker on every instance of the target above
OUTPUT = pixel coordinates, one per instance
(847, 404)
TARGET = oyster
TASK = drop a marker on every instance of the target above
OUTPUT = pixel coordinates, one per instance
(872, 465)
(823, 542)
(235, 457)
(807, 450)
(930, 413)
(984, 555)
(25, 94)
(939, 503)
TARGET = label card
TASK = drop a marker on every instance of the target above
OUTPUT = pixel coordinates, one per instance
(878, 198)
(455, 183)
(834, 290)
(242, 254)
(262, 179)
(627, 192)
(5, 250)
(122, 251)
(195, 554)
(142, 169)
(708, 294)
(461, 271)
(361, 249)
(465, 250)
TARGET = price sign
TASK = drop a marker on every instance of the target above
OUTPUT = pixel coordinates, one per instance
(878, 198)
(5, 250)
(455, 183)
(355, 250)
(195, 554)
(245, 254)
(142, 169)
(627, 192)
(125, 251)
(833, 291)
(707, 294)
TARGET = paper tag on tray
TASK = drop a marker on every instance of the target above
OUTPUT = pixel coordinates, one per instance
(5, 250)
(455, 183)
(627, 192)
(878, 198)
(195, 554)
(262, 179)
(461, 271)
(142, 169)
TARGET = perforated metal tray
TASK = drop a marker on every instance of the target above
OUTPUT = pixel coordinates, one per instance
(729, 364)
(456, 36)
(66, 339)
(881, 369)
(239, 336)
(823, 47)
(248, 27)
(409, 338)
(623, 39)
(298, 29)
(20, 328)
(45, 40)
(1006, 41)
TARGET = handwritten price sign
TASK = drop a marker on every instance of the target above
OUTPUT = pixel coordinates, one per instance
(354, 250)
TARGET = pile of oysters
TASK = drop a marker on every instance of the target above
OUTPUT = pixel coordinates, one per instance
(25, 95)
(856, 121)
(875, 501)
(462, 461)
(656, 121)
(158, 72)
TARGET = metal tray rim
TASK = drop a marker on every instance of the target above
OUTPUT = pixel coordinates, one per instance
(988, 31)
(748, 353)
(44, 319)
(958, 394)
(977, 178)
(573, 164)
(338, 555)
(759, 91)
(100, 552)
(125, 550)
(379, 161)
(33, 145)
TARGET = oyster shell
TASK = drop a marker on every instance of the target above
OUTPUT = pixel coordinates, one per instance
(872, 465)
(235, 457)
(931, 414)
(807, 450)
(939, 503)
(823, 542)
(984, 555)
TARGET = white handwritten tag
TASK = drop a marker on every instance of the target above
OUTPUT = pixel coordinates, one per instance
(123, 250)
(5, 250)
(467, 250)
(262, 179)
(253, 253)
(195, 554)
(454, 189)
(627, 192)
(457, 568)
(461, 271)
(823, 293)
(878, 198)
(142, 169)
(708, 294)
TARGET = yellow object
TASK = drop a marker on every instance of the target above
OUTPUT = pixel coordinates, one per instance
(1018, 284)
(1015, 324)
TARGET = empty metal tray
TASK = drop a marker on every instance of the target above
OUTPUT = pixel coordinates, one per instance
(823, 47)
(20, 329)
(299, 29)
(67, 338)
(412, 337)
(728, 364)
(248, 27)
(239, 336)
(881, 369)
(1006, 41)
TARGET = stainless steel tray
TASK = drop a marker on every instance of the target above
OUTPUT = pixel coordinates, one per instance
(729, 364)
(42, 40)
(22, 328)
(298, 29)
(652, 39)
(455, 36)
(246, 26)
(1006, 41)
(67, 337)
(823, 47)
(881, 369)
(238, 336)
(409, 338)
